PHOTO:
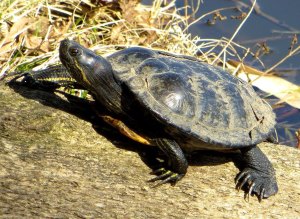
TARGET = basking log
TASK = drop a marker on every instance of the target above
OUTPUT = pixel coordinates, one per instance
(58, 160)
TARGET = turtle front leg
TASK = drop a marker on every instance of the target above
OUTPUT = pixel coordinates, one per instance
(176, 160)
(258, 177)
(170, 148)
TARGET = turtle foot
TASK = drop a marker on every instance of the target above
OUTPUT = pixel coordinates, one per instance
(165, 176)
(255, 182)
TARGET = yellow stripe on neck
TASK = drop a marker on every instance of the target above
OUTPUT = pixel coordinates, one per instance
(57, 79)
(83, 76)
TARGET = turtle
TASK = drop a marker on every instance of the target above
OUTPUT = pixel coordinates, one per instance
(178, 104)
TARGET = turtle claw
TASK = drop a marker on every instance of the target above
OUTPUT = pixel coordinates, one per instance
(251, 188)
(165, 176)
(159, 171)
(240, 184)
(255, 182)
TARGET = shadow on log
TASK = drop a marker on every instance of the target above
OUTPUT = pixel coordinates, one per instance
(58, 160)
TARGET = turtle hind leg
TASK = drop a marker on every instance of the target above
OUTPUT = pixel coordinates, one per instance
(50, 78)
(258, 177)
(176, 160)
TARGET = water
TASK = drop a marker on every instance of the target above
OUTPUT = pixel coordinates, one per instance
(258, 29)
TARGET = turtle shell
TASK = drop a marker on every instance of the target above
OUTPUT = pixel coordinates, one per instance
(195, 98)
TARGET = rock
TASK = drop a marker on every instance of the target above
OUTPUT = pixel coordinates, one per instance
(59, 161)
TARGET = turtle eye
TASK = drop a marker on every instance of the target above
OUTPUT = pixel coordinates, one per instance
(74, 51)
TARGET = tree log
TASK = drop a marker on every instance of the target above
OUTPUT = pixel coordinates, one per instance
(58, 160)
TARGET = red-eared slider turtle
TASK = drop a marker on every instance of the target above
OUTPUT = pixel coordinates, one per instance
(178, 103)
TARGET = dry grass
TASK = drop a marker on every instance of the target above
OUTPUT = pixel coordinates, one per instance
(31, 31)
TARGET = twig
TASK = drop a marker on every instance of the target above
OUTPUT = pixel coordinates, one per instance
(291, 53)
(201, 17)
(266, 16)
(235, 33)
(298, 138)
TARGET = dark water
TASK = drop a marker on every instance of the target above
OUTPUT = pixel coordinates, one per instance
(257, 30)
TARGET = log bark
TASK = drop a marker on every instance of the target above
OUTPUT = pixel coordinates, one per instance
(58, 160)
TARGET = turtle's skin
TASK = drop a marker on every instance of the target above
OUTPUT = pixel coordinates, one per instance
(178, 103)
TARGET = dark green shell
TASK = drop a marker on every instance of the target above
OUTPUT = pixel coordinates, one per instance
(198, 99)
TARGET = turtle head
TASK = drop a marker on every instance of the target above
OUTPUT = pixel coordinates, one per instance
(86, 67)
